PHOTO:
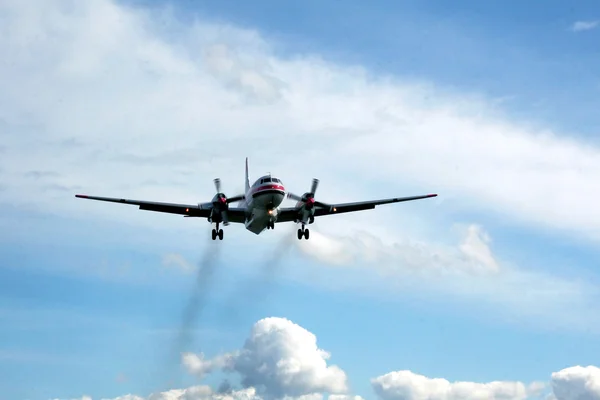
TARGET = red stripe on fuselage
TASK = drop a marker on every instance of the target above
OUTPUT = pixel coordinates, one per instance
(265, 188)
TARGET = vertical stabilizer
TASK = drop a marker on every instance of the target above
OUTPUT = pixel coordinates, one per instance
(247, 179)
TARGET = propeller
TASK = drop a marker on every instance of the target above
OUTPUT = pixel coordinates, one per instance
(308, 198)
(221, 203)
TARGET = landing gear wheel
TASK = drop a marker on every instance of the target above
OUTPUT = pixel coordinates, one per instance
(303, 232)
(220, 234)
(214, 234)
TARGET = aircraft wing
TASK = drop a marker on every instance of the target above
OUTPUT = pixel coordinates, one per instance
(289, 214)
(188, 210)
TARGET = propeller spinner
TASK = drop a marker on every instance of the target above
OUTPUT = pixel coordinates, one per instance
(221, 202)
(308, 198)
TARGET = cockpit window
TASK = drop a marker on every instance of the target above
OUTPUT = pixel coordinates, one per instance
(275, 180)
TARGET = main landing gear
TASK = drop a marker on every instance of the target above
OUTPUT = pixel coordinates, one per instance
(303, 232)
(270, 225)
(217, 233)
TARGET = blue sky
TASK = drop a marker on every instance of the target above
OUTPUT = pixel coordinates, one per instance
(89, 304)
(544, 65)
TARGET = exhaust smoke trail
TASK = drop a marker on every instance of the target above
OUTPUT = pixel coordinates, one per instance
(253, 291)
(198, 298)
(196, 304)
(249, 293)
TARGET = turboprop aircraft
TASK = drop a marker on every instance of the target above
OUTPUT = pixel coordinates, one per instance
(258, 209)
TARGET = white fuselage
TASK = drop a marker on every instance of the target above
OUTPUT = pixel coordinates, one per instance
(262, 201)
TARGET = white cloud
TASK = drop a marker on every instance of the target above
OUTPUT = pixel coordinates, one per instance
(343, 397)
(128, 397)
(156, 111)
(193, 107)
(406, 385)
(577, 383)
(177, 261)
(279, 358)
(584, 25)
(199, 366)
(475, 247)
(201, 392)
(282, 358)
(473, 256)
(468, 272)
(89, 398)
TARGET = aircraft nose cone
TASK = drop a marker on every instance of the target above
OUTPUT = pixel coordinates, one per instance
(223, 200)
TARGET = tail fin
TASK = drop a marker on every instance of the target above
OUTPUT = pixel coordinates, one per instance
(247, 180)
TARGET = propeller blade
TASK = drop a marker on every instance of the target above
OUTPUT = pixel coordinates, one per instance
(235, 199)
(218, 185)
(225, 218)
(323, 205)
(294, 197)
(315, 185)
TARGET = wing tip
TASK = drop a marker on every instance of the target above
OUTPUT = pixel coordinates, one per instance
(432, 195)
(81, 196)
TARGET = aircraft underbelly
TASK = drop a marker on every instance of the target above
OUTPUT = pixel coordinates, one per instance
(257, 223)
(261, 204)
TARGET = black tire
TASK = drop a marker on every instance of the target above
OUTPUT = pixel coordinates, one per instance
(300, 234)
(306, 234)
(214, 234)
(220, 234)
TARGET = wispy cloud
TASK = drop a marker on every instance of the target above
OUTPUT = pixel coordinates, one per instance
(585, 25)
(184, 98)
(177, 261)
(468, 273)
(205, 100)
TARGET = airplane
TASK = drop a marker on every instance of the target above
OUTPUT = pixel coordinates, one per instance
(258, 208)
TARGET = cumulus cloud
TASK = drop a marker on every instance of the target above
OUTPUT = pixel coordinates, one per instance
(199, 366)
(89, 398)
(584, 25)
(201, 392)
(280, 358)
(406, 385)
(577, 383)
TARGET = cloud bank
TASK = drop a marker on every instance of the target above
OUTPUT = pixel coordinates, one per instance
(281, 360)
